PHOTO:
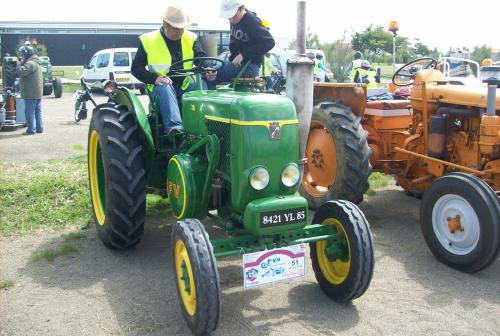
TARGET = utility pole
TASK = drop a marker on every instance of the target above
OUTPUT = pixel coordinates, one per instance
(393, 28)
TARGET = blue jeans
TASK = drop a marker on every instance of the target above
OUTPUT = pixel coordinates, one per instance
(170, 97)
(272, 79)
(33, 112)
(229, 71)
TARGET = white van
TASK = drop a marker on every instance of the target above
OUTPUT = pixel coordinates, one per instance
(112, 64)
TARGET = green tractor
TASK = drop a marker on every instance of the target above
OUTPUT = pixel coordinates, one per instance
(51, 84)
(236, 163)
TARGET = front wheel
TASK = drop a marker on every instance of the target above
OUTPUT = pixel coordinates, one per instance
(343, 266)
(460, 221)
(196, 276)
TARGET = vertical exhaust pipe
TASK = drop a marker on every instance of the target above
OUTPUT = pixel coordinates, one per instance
(299, 82)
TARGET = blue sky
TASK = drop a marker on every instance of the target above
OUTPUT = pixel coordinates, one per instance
(441, 24)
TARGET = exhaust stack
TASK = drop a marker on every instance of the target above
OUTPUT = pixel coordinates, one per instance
(299, 82)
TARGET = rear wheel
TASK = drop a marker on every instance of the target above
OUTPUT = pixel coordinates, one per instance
(58, 87)
(196, 276)
(116, 176)
(8, 74)
(344, 266)
(47, 90)
(460, 221)
(338, 156)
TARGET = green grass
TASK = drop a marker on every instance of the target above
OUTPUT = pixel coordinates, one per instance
(6, 284)
(78, 147)
(51, 254)
(47, 195)
(70, 72)
(156, 205)
(377, 180)
(385, 71)
(71, 87)
(73, 235)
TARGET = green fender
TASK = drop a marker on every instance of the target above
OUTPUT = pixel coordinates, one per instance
(126, 97)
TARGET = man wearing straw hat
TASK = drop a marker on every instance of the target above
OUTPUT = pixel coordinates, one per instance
(157, 51)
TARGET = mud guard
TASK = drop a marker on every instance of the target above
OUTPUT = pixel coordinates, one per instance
(126, 97)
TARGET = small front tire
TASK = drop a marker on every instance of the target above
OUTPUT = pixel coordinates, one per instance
(460, 221)
(196, 276)
(346, 276)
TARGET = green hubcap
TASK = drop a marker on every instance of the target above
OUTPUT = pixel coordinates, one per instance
(337, 249)
(185, 278)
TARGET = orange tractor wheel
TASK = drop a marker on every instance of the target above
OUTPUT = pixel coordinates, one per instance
(338, 156)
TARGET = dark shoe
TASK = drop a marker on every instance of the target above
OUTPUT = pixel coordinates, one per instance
(29, 133)
(175, 130)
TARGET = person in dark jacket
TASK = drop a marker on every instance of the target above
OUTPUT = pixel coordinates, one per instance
(157, 51)
(250, 41)
(31, 81)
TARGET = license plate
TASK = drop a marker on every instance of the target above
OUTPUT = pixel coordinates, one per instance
(122, 79)
(282, 217)
(284, 263)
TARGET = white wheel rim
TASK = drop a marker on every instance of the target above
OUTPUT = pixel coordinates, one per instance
(459, 242)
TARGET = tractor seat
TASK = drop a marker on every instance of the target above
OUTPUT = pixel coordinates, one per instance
(388, 107)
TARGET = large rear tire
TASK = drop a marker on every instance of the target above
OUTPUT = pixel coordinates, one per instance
(345, 275)
(460, 221)
(338, 156)
(58, 87)
(116, 176)
(8, 74)
(47, 90)
(196, 276)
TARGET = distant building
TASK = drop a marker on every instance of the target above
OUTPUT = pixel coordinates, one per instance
(74, 43)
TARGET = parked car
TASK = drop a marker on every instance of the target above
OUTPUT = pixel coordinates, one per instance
(112, 64)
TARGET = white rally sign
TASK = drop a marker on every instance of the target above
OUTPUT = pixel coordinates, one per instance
(269, 266)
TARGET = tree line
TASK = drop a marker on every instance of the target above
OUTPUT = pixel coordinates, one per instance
(376, 45)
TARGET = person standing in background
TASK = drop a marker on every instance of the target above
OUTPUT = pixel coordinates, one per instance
(31, 82)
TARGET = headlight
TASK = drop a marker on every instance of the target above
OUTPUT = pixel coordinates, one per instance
(110, 87)
(290, 175)
(259, 178)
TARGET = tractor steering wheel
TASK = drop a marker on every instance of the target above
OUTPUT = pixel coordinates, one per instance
(405, 76)
(177, 68)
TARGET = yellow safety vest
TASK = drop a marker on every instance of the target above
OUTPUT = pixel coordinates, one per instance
(316, 69)
(370, 76)
(355, 65)
(267, 67)
(159, 58)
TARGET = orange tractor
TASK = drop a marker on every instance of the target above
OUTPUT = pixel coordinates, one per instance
(443, 142)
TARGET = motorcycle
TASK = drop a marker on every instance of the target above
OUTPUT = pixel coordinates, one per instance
(80, 98)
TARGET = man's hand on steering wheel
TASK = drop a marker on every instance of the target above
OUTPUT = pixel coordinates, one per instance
(206, 66)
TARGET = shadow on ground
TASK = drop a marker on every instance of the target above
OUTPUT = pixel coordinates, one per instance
(394, 217)
(140, 293)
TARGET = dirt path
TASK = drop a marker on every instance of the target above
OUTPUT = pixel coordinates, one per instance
(101, 292)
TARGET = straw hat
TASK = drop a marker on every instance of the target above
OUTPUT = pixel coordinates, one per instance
(176, 17)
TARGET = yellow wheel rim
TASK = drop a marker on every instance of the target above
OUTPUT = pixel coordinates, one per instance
(334, 271)
(185, 279)
(94, 155)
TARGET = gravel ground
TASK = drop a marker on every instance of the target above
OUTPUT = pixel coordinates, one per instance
(101, 292)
